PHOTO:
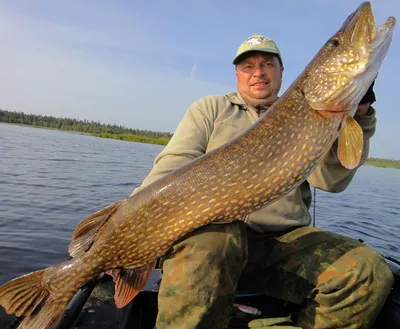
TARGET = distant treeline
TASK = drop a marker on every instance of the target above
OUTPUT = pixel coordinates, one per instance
(136, 138)
(384, 163)
(68, 124)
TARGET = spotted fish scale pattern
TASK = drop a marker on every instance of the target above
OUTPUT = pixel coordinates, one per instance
(263, 164)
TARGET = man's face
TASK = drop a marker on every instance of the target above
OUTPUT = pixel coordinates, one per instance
(259, 78)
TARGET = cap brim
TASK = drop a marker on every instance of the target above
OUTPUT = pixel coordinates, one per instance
(240, 57)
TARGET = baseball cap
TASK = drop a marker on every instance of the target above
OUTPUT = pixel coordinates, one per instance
(257, 43)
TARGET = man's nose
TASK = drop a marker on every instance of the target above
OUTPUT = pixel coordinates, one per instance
(258, 72)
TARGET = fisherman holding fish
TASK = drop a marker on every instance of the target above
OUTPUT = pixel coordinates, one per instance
(340, 282)
(226, 205)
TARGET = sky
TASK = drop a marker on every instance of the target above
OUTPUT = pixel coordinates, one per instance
(141, 64)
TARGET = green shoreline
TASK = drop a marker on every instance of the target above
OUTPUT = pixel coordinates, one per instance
(374, 162)
(383, 163)
(123, 137)
(133, 138)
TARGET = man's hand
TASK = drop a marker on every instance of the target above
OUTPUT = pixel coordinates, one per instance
(366, 101)
(362, 109)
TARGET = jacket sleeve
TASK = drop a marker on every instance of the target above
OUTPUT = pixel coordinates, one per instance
(331, 175)
(189, 142)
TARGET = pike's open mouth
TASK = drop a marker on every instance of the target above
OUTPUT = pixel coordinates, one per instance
(382, 34)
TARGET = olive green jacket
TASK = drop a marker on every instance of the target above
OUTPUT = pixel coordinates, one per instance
(215, 120)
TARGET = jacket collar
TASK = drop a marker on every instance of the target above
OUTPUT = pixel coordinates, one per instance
(236, 99)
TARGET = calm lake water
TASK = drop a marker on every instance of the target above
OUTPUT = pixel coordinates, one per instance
(51, 180)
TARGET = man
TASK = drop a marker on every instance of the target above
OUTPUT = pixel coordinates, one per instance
(339, 282)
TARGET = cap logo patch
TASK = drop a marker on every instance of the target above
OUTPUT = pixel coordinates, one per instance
(255, 40)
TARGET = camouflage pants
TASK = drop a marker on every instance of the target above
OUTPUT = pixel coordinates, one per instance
(339, 282)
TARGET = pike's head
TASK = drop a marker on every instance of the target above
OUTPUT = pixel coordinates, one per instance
(341, 73)
(348, 63)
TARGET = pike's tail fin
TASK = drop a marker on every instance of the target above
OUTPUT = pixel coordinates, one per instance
(48, 314)
(25, 296)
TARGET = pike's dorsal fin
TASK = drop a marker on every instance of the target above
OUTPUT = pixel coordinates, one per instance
(350, 144)
(86, 231)
(129, 282)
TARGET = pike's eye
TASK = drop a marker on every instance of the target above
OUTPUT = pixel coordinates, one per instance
(333, 43)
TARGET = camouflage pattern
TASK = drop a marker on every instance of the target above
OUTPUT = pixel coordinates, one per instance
(340, 282)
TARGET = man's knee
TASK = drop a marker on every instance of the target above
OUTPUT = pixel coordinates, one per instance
(360, 263)
(360, 277)
(379, 274)
(350, 292)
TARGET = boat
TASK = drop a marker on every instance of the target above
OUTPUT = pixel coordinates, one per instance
(93, 307)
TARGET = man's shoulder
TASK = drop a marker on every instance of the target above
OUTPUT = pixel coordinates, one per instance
(216, 101)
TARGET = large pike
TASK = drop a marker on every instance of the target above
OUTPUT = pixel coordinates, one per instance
(270, 159)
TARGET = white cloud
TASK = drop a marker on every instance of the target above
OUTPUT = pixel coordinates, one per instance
(193, 72)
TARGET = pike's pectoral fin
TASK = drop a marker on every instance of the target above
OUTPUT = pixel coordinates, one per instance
(129, 282)
(350, 143)
(86, 232)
